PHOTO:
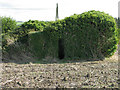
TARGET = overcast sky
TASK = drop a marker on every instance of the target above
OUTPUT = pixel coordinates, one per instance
(23, 10)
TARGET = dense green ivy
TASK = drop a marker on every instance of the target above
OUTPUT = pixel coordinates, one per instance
(31, 25)
(34, 25)
(90, 35)
(8, 24)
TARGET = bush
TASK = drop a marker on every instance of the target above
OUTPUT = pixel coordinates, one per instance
(34, 25)
(8, 24)
(44, 44)
(90, 35)
(8, 27)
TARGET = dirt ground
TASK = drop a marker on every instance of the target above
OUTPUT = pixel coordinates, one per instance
(89, 74)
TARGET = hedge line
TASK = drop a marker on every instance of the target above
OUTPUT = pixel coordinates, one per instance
(90, 35)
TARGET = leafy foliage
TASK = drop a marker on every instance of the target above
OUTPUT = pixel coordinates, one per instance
(29, 26)
(34, 25)
(8, 27)
(44, 44)
(8, 24)
(95, 32)
(90, 35)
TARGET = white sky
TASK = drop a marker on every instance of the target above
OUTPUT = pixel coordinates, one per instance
(23, 10)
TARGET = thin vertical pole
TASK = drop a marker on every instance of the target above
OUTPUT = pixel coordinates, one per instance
(56, 12)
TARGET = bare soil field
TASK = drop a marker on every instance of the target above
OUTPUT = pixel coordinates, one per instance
(82, 74)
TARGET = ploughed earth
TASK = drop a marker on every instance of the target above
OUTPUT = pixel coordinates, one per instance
(82, 74)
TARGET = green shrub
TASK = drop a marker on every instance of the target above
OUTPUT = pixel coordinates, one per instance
(8, 27)
(34, 25)
(43, 44)
(8, 24)
(90, 35)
